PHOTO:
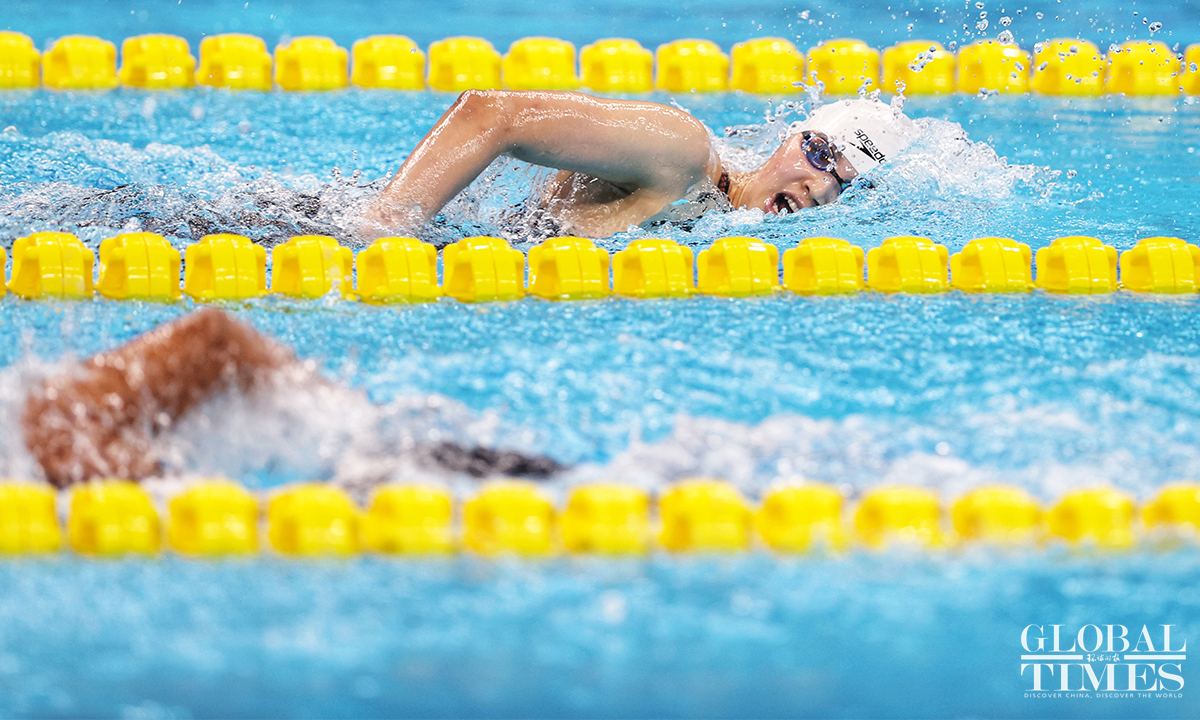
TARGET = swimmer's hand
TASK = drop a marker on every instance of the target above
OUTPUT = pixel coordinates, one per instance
(481, 462)
(384, 219)
(100, 420)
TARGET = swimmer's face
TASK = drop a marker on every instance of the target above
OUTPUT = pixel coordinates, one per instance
(789, 180)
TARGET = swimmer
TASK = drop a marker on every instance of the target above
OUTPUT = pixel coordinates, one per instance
(100, 419)
(623, 162)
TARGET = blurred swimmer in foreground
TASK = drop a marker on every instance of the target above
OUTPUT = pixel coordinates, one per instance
(629, 162)
(100, 420)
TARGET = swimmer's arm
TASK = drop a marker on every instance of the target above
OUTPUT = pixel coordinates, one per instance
(636, 146)
(99, 420)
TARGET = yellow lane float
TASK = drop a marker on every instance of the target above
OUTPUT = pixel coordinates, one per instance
(539, 63)
(993, 65)
(213, 518)
(899, 514)
(767, 65)
(395, 269)
(1069, 67)
(235, 61)
(992, 265)
(997, 514)
(608, 519)
(28, 518)
(1161, 265)
(918, 67)
(844, 66)
(138, 266)
(388, 61)
(483, 269)
(796, 518)
(908, 264)
(157, 62)
(1101, 516)
(653, 268)
(311, 266)
(703, 515)
(509, 517)
(311, 63)
(463, 63)
(113, 517)
(738, 267)
(1142, 67)
(568, 268)
(20, 62)
(80, 62)
(313, 520)
(617, 65)
(691, 66)
(1189, 74)
(224, 267)
(52, 265)
(409, 520)
(1177, 507)
(823, 266)
(1077, 266)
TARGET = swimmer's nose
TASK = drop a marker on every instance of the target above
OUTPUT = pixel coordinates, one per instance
(823, 189)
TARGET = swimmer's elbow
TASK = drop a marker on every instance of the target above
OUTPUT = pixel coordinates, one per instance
(482, 112)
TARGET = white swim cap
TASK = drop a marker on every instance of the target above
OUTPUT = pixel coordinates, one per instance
(868, 132)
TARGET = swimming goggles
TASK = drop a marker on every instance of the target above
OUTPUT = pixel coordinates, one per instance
(821, 155)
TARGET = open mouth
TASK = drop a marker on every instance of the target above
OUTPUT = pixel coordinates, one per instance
(782, 204)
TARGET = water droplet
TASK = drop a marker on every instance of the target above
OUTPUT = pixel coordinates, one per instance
(1006, 21)
(978, 6)
(1005, 36)
(981, 25)
(1155, 26)
(1043, 66)
(1071, 174)
(1039, 16)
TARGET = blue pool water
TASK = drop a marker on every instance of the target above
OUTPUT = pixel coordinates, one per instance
(948, 391)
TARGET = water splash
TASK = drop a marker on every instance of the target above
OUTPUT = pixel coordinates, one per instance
(67, 181)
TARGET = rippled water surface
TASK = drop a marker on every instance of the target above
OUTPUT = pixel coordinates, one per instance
(949, 391)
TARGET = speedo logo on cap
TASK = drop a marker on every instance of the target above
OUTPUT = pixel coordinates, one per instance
(867, 147)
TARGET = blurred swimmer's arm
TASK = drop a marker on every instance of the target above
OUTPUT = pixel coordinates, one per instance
(98, 421)
(638, 147)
